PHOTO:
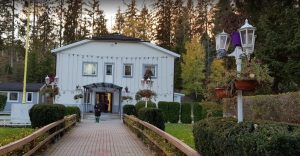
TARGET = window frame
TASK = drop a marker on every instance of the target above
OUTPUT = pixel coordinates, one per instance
(131, 70)
(8, 97)
(155, 68)
(83, 69)
(31, 96)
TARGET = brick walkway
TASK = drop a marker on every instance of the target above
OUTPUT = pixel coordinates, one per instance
(110, 137)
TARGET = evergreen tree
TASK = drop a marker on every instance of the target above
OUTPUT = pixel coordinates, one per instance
(71, 22)
(163, 22)
(119, 22)
(100, 22)
(131, 20)
(144, 28)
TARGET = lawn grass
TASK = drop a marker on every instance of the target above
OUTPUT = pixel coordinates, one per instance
(181, 131)
(8, 135)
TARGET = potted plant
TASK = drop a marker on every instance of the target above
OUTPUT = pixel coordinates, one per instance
(253, 73)
(78, 96)
(220, 80)
(145, 93)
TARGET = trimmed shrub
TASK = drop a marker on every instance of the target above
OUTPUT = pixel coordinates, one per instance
(153, 116)
(164, 107)
(197, 112)
(129, 110)
(224, 136)
(173, 112)
(211, 109)
(44, 114)
(141, 104)
(3, 99)
(73, 110)
(281, 107)
(186, 113)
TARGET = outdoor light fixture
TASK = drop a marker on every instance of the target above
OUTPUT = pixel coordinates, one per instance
(244, 42)
(47, 80)
(222, 44)
(56, 80)
(247, 35)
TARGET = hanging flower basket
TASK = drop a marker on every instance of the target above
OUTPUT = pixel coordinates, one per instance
(245, 85)
(222, 93)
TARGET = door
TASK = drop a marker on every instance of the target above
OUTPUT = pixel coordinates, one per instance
(105, 101)
(109, 73)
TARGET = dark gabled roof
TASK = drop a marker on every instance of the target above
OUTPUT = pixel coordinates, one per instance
(16, 86)
(116, 37)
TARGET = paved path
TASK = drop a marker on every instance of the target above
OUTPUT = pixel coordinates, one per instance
(110, 137)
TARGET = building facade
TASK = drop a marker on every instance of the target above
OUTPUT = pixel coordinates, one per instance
(98, 70)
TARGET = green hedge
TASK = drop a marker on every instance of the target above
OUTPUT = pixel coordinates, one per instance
(3, 99)
(164, 107)
(186, 113)
(279, 107)
(43, 114)
(129, 110)
(141, 104)
(211, 109)
(153, 116)
(173, 112)
(224, 136)
(73, 110)
(197, 111)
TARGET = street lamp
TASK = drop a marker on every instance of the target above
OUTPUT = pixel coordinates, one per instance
(244, 46)
(53, 83)
(149, 84)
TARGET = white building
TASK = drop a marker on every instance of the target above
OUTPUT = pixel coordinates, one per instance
(102, 67)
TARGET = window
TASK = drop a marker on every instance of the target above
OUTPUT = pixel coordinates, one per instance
(29, 96)
(89, 69)
(108, 69)
(127, 70)
(152, 68)
(13, 96)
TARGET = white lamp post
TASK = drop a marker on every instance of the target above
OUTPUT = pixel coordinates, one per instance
(247, 41)
(52, 84)
(148, 83)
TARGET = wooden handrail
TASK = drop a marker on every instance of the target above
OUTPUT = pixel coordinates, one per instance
(21, 142)
(171, 139)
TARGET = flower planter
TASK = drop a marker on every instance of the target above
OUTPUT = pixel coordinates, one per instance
(245, 85)
(222, 93)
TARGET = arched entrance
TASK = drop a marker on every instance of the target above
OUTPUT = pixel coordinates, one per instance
(108, 95)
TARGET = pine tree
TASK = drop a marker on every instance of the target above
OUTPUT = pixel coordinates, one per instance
(131, 22)
(100, 22)
(71, 23)
(119, 22)
(163, 22)
(144, 28)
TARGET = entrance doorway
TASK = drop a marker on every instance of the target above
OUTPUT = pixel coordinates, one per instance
(105, 101)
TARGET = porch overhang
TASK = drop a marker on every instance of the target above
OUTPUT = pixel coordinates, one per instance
(102, 85)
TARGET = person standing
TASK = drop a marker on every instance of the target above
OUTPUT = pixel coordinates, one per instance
(97, 109)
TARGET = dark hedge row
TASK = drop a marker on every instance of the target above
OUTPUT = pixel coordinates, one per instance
(224, 136)
(153, 116)
(73, 110)
(141, 104)
(44, 114)
(186, 113)
(170, 110)
(129, 110)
